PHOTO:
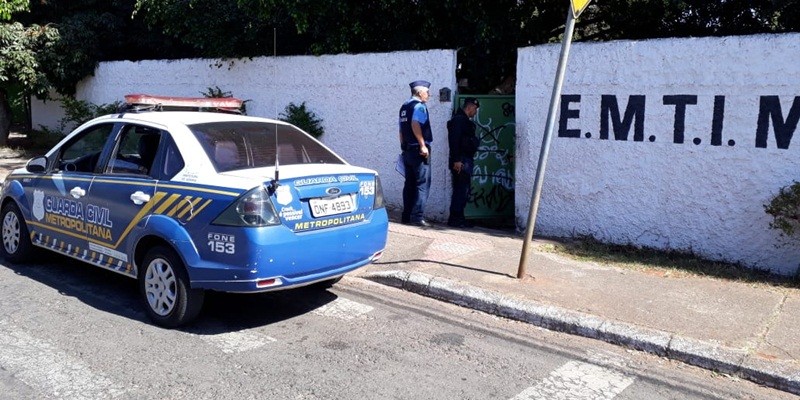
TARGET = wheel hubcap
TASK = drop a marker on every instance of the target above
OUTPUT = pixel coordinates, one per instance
(11, 232)
(160, 287)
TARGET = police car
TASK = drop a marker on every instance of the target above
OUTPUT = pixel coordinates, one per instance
(187, 201)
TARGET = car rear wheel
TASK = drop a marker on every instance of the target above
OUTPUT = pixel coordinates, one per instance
(164, 285)
(17, 245)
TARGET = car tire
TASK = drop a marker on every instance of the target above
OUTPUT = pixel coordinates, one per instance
(164, 285)
(16, 246)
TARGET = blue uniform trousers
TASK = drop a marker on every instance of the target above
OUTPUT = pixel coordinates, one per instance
(461, 186)
(417, 185)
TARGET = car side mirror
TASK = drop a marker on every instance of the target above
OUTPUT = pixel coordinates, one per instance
(37, 165)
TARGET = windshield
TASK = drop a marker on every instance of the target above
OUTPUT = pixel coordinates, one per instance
(239, 145)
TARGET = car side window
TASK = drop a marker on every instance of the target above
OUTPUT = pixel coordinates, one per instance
(173, 162)
(83, 152)
(135, 151)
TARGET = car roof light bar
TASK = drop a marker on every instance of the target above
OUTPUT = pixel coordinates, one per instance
(146, 102)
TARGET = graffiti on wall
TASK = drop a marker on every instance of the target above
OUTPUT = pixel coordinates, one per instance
(492, 189)
(770, 121)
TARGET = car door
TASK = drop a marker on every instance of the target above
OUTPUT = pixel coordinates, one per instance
(120, 196)
(59, 197)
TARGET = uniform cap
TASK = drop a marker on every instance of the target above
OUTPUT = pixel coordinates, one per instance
(420, 83)
(472, 100)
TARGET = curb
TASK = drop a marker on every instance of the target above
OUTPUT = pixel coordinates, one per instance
(779, 375)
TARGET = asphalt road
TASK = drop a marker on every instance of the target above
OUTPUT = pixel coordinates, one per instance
(72, 331)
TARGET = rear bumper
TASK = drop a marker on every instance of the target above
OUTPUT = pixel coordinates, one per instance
(276, 258)
(274, 283)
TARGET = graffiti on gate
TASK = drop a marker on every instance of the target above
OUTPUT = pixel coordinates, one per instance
(492, 190)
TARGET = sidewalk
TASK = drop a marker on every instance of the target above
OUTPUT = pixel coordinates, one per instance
(752, 331)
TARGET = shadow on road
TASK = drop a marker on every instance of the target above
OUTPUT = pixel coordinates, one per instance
(113, 293)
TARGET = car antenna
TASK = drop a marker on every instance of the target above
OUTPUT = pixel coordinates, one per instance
(273, 186)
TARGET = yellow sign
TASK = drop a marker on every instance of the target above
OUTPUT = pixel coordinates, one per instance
(578, 6)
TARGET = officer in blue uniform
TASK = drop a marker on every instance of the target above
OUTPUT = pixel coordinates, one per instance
(415, 141)
(463, 145)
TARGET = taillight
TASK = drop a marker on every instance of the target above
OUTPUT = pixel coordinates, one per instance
(378, 203)
(254, 208)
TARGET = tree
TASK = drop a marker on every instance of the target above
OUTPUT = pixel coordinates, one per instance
(55, 44)
(91, 31)
(211, 28)
(643, 19)
(8, 7)
(72, 36)
(486, 33)
(20, 48)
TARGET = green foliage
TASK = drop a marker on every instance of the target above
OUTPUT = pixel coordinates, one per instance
(486, 32)
(76, 112)
(8, 7)
(212, 28)
(20, 50)
(20, 66)
(303, 118)
(784, 209)
(217, 93)
(642, 19)
(91, 31)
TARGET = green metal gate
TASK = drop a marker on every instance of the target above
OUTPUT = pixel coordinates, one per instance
(492, 191)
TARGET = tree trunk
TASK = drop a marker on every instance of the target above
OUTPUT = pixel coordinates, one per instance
(28, 113)
(5, 118)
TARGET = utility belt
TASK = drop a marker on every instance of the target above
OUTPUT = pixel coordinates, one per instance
(412, 146)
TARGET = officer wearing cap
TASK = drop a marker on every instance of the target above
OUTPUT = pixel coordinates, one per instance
(415, 141)
(463, 145)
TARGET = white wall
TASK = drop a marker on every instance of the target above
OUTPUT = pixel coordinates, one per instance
(46, 113)
(650, 191)
(357, 97)
(656, 192)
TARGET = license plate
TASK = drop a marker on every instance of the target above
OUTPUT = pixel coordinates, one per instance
(323, 207)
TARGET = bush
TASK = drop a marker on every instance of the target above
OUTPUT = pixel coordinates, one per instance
(785, 210)
(76, 112)
(303, 118)
(217, 93)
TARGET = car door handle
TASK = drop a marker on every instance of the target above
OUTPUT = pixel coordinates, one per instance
(77, 192)
(140, 198)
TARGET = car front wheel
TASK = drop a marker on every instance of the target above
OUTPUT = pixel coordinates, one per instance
(17, 245)
(164, 285)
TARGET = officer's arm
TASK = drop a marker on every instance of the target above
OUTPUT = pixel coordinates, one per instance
(454, 141)
(417, 129)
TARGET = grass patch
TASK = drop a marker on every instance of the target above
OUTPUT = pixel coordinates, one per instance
(670, 263)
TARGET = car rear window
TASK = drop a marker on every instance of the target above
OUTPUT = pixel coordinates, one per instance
(238, 145)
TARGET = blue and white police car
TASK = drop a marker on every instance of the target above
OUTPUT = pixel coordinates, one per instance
(188, 201)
